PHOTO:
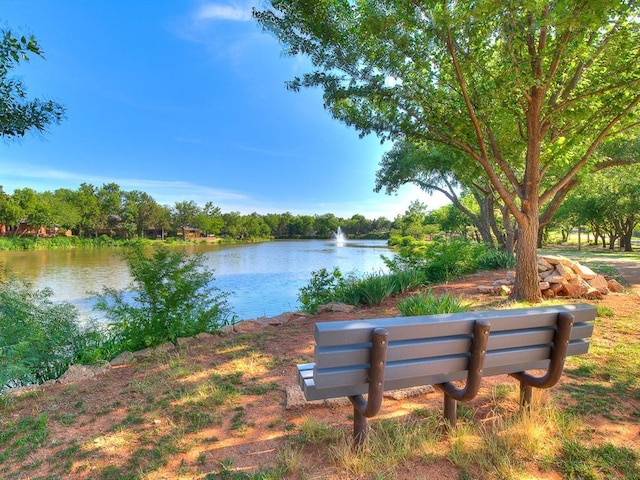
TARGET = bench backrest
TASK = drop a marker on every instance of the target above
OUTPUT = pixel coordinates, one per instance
(434, 349)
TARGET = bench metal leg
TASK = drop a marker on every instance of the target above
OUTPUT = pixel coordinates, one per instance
(477, 355)
(526, 394)
(363, 409)
(451, 410)
(556, 363)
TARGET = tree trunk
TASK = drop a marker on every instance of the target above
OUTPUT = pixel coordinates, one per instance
(510, 234)
(484, 224)
(627, 234)
(527, 287)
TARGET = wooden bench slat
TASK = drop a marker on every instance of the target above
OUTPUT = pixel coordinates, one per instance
(445, 325)
(437, 370)
(338, 356)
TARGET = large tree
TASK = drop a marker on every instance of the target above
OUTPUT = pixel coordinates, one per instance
(527, 90)
(19, 114)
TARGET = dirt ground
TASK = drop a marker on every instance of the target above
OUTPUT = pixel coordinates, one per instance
(103, 427)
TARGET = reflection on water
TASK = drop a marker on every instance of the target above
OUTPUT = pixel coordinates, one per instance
(263, 279)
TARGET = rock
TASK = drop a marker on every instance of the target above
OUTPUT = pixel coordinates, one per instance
(543, 265)
(565, 271)
(409, 392)
(77, 373)
(600, 283)
(555, 277)
(557, 259)
(295, 399)
(572, 290)
(593, 294)
(248, 326)
(124, 358)
(277, 320)
(160, 349)
(18, 391)
(485, 289)
(560, 276)
(205, 335)
(186, 341)
(503, 290)
(226, 330)
(584, 272)
(615, 286)
(336, 307)
(555, 287)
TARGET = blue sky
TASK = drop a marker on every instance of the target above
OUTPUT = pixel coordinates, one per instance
(185, 100)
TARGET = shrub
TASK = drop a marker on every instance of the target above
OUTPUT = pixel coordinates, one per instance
(324, 287)
(171, 296)
(493, 259)
(445, 259)
(373, 289)
(38, 337)
(429, 304)
(407, 279)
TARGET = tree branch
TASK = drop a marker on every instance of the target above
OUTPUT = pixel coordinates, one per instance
(596, 142)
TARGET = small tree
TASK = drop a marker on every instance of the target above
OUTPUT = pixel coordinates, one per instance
(38, 337)
(171, 296)
(184, 215)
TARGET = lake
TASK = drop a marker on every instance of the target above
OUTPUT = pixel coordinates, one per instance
(263, 279)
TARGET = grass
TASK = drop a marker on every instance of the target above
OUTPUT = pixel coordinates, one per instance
(181, 414)
(428, 304)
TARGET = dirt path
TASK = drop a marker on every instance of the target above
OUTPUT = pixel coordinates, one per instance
(629, 270)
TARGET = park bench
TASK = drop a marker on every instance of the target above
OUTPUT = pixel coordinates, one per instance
(358, 357)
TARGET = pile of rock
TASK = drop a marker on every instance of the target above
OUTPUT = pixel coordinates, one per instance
(561, 277)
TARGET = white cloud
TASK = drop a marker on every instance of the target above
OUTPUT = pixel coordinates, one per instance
(216, 11)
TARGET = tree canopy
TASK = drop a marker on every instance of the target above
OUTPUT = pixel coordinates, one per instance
(525, 92)
(19, 114)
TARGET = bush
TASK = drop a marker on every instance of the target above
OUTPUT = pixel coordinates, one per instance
(442, 260)
(429, 304)
(39, 338)
(324, 287)
(373, 289)
(492, 259)
(171, 296)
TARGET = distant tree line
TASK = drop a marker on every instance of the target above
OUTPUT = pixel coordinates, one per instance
(91, 211)
(606, 204)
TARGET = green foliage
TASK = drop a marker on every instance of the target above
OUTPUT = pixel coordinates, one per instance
(494, 259)
(442, 260)
(322, 288)
(372, 289)
(429, 304)
(171, 296)
(59, 243)
(38, 337)
(18, 114)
